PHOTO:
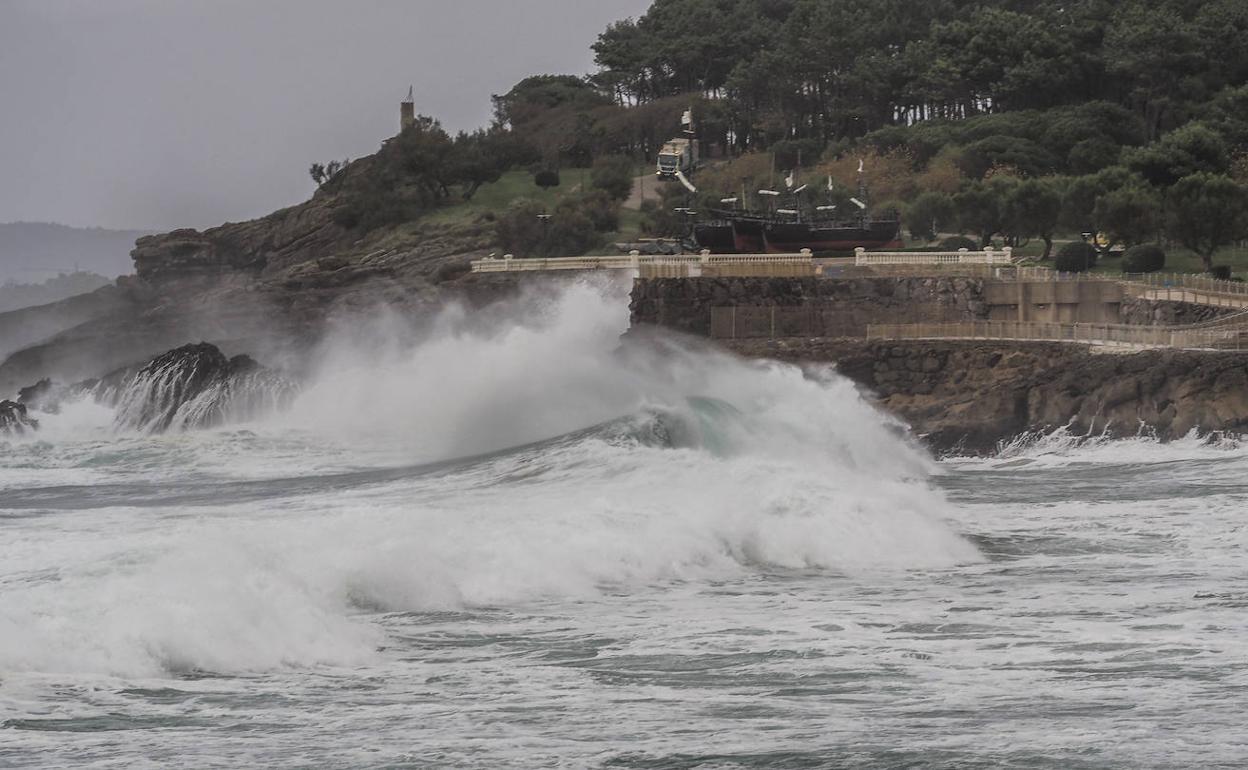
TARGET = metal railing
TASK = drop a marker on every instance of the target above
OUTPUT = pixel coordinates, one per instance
(1202, 336)
(1191, 281)
(863, 258)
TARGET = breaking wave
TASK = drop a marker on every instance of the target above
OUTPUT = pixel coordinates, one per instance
(589, 469)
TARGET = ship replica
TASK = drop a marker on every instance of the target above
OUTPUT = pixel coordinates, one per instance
(820, 228)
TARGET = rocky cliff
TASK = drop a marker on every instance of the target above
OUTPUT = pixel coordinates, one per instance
(970, 396)
(263, 286)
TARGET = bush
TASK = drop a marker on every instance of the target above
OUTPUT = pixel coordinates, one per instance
(1145, 258)
(956, 242)
(527, 229)
(928, 214)
(546, 178)
(1221, 272)
(520, 229)
(660, 221)
(449, 271)
(603, 210)
(1074, 257)
(613, 175)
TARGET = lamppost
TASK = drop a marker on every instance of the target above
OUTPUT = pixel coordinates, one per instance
(545, 219)
(688, 228)
(1088, 237)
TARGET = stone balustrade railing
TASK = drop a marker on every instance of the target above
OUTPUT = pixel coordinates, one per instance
(864, 258)
(691, 265)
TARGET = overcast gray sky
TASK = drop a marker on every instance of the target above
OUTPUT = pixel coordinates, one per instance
(156, 114)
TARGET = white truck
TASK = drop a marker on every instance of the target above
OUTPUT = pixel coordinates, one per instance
(677, 155)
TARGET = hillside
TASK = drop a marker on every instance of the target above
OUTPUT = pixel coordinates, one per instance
(1026, 124)
(15, 295)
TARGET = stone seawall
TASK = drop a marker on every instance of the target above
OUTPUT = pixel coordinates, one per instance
(813, 306)
(968, 397)
(748, 308)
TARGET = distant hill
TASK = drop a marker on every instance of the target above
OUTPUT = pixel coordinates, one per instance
(32, 252)
(15, 295)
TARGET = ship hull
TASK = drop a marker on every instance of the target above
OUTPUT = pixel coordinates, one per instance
(747, 236)
(783, 238)
(716, 238)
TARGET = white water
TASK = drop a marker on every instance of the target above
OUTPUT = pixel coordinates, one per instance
(785, 581)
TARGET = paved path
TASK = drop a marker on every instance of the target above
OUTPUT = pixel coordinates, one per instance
(644, 187)
(1194, 297)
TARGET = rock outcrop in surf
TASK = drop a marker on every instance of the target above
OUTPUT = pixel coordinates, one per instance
(970, 397)
(15, 420)
(197, 386)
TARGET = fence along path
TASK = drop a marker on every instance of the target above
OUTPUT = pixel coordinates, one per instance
(802, 263)
(1230, 333)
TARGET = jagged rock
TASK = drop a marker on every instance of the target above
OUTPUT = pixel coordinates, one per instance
(14, 420)
(196, 386)
(40, 395)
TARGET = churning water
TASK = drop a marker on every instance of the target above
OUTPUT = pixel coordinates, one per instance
(521, 546)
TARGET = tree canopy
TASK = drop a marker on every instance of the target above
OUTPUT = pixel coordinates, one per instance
(1002, 118)
(833, 68)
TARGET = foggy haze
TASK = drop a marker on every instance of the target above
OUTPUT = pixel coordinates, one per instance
(157, 114)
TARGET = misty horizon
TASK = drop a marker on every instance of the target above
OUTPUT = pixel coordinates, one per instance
(145, 116)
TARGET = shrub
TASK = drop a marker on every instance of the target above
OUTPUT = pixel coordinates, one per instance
(527, 229)
(956, 242)
(1145, 258)
(613, 175)
(1221, 272)
(928, 214)
(603, 210)
(546, 178)
(1075, 257)
(449, 271)
(660, 221)
(520, 230)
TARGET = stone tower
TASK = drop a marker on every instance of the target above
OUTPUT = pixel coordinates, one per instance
(407, 109)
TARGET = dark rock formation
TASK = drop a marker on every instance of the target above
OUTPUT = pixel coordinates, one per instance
(44, 395)
(964, 396)
(14, 420)
(196, 386)
(189, 253)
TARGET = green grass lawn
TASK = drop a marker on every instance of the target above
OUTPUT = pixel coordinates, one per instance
(1178, 259)
(496, 196)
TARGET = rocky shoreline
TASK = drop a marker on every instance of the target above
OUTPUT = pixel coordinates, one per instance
(970, 397)
(957, 397)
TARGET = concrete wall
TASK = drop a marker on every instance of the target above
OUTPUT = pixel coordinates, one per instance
(1054, 301)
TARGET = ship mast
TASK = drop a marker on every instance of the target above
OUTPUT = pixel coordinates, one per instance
(862, 194)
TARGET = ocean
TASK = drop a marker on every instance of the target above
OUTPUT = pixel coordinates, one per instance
(509, 541)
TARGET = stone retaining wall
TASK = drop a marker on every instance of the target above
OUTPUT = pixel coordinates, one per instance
(743, 307)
